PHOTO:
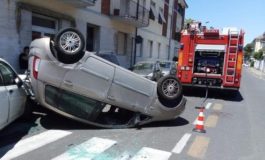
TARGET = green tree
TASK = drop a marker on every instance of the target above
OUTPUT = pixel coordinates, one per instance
(188, 21)
(248, 50)
(258, 55)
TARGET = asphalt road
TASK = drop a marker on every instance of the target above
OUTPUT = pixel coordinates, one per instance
(235, 130)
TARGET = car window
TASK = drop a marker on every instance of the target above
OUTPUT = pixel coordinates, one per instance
(8, 74)
(165, 65)
(51, 95)
(143, 66)
(80, 106)
(74, 104)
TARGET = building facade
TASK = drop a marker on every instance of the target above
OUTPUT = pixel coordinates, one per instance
(160, 40)
(108, 25)
(259, 43)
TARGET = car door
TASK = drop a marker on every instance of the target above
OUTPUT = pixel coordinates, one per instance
(131, 90)
(4, 107)
(92, 78)
(16, 95)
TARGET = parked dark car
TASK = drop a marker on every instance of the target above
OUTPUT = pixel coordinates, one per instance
(109, 56)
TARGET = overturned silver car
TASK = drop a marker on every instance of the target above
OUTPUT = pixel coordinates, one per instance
(84, 87)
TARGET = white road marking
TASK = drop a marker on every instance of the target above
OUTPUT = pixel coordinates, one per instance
(87, 150)
(34, 142)
(181, 144)
(151, 154)
(208, 106)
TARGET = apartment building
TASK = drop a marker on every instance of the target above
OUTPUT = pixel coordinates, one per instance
(259, 43)
(160, 40)
(108, 25)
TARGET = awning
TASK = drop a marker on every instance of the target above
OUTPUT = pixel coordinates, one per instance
(206, 47)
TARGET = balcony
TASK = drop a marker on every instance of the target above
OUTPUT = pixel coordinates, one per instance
(179, 23)
(130, 12)
(80, 3)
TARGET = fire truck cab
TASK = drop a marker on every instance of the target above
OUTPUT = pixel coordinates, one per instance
(210, 57)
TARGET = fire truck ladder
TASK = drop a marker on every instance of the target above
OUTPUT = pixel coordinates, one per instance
(232, 57)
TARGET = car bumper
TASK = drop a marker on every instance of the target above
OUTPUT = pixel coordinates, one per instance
(159, 112)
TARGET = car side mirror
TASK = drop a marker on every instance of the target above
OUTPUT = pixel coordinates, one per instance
(157, 70)
(19, 82)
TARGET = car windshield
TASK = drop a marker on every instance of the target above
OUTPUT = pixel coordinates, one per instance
(143, 68)
(165, 65)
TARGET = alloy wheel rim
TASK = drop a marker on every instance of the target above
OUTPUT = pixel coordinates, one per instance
(70, 42)
(170, 87)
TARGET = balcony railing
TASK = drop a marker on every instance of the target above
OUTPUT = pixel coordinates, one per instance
(80, 3)
(130, 12)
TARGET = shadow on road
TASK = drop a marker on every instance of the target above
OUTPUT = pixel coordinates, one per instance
(172, 123)
(40, 120)
(55, 121)
(43, 119)
(15, 132)
(226, 95)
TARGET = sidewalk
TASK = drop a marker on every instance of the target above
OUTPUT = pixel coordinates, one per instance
(258, 73)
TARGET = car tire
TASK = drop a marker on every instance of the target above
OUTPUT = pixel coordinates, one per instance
(169, 88)
(69, 46)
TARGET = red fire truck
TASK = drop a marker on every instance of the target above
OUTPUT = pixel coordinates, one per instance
(210, 57)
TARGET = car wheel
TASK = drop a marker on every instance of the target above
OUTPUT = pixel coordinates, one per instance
(169, 88)
(69, 45)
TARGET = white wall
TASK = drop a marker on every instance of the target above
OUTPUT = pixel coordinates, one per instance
(259, 44)
(260, 65)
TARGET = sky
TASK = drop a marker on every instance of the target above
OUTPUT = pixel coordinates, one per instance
(248, 15)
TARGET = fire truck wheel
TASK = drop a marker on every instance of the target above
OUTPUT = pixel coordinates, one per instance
(169, 88)
(69, 45)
